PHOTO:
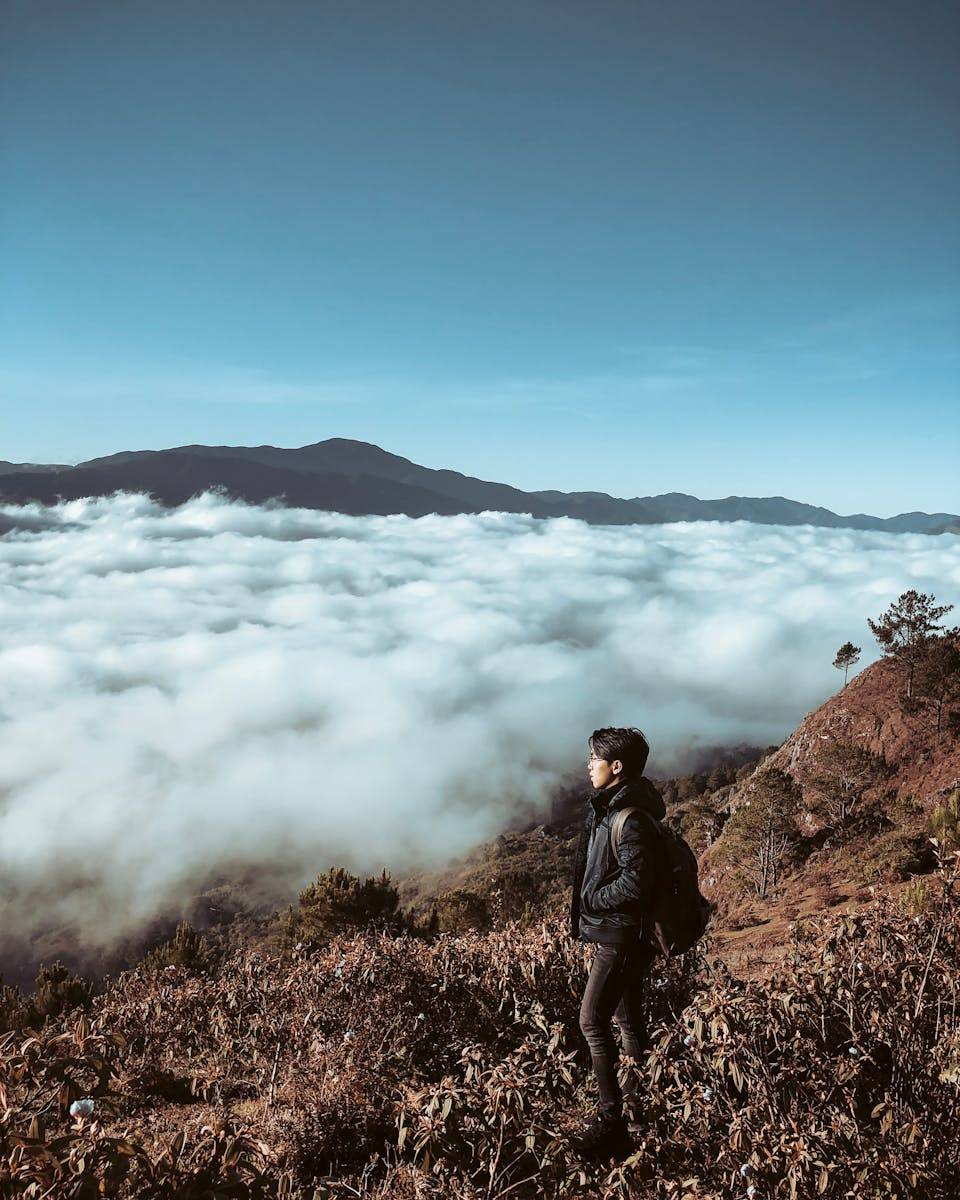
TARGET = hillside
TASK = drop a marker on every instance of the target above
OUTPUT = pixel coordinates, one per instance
(384, 1066)
(884, 844)
(869, 711)
(12, 468)
(810, 1045)
(349, 476)
(882, 849)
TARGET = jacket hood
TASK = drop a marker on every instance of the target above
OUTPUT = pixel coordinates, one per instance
(633, 793)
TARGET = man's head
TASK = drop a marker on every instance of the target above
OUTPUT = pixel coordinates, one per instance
(615, 756)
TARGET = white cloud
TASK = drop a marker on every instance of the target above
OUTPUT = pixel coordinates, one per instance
(199, 690)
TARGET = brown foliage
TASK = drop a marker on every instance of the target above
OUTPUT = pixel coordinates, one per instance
(384, 1065)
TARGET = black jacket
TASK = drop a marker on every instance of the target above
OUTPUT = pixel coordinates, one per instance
(610, 899)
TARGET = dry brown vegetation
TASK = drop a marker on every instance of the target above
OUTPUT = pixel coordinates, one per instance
(388, 1065)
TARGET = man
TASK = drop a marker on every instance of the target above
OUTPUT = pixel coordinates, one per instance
(609, 905)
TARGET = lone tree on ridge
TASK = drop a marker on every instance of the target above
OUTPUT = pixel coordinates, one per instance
(847, 656)
(905, 628)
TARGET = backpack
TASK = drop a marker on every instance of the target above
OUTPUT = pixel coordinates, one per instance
(679, 911)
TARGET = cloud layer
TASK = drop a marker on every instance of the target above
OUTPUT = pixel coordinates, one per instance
(223, 686)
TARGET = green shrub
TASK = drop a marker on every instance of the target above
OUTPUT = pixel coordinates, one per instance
(337, 902)
(459, 910)
(918, 897)
(186, 948)
(13, 1007)
(58, 990)
(905, 811)
(894, 856)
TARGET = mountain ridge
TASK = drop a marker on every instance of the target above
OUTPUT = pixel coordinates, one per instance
(361, 478)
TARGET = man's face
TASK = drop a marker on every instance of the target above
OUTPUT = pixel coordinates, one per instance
(602, 773)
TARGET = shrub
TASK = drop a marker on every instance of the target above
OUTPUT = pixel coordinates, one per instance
(337, 901)
(894, 856)
(58, 990)
(186, 948)
(387, 1066)
(904, 810)
(459, 910)
(13, 1007)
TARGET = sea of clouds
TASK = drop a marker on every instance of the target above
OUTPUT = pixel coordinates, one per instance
(225, 686)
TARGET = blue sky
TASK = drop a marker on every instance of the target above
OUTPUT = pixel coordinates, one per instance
(632, 247)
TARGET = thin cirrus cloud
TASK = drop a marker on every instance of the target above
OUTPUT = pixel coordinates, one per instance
(224, 687)
(218, 385)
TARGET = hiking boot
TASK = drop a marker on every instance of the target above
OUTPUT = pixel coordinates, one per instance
(602, 1134)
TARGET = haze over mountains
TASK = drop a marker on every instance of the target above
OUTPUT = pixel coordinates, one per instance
(358, 478)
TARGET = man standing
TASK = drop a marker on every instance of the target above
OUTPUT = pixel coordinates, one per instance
(611, 899)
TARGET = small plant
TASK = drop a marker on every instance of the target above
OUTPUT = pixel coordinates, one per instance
(945, 822)
(918, 897)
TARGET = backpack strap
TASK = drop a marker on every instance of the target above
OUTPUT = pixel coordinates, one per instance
(616, 829)
(616, 826)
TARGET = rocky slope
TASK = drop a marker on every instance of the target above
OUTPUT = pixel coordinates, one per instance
(868, 711)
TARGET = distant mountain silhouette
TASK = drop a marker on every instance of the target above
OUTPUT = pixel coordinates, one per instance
(354, 477)
(11, 468)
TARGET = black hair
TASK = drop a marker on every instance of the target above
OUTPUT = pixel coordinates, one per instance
(629, 745)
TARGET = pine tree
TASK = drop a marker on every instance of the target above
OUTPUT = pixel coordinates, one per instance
(764, 826)
(937, 682)
(847, 656)
(904, 629)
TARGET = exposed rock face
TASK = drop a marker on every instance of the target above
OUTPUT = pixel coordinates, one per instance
(868, 711)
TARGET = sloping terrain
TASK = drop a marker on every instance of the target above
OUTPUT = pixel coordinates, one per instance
(879, 853)
(886, 843)
(393, 1066)
(809, 1047)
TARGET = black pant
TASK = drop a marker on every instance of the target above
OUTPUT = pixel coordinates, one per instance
(615, 990)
